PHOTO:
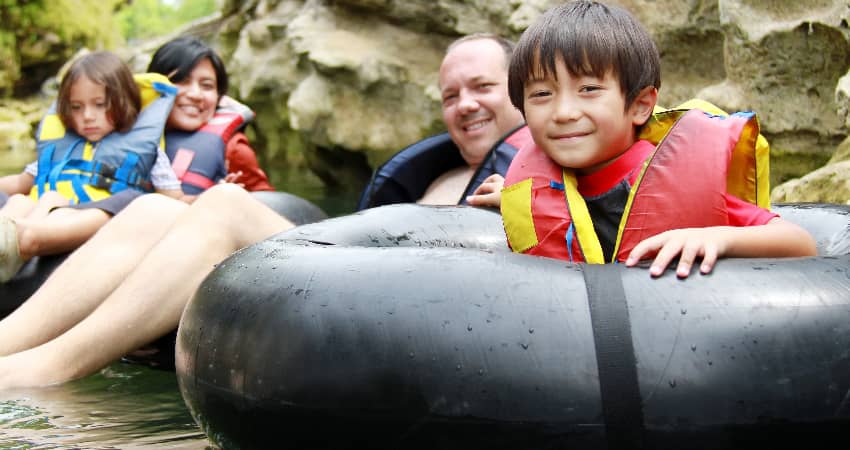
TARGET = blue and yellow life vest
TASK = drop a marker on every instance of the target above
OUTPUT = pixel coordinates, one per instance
(699, 156)
(197, 157)
(83, 171)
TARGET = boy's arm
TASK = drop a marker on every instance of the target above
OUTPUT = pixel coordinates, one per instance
(17, 184)
(777, 238)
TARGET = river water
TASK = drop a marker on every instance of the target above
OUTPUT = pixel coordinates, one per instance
(125, 406)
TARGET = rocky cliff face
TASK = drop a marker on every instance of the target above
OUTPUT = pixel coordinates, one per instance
(340, 85)
(346, 83)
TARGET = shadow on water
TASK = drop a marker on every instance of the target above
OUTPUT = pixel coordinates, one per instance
(122, 407)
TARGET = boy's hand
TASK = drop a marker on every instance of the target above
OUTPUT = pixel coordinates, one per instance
(489, 193)
(687, 243)
(776, 239)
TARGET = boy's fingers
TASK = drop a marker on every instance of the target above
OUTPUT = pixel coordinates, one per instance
(708, 260)
(642, 249)
(665, 257)
(690, 251)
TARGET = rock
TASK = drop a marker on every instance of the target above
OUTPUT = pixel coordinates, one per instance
(340, 85)
(829, 184)
(18, 122)
(358, 77)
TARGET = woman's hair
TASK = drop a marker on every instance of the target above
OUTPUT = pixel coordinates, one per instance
(176, 59)
(123, 101)
(592, 38)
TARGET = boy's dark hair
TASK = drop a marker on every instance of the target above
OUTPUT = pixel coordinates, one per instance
(177, 57)
(123, 101)
(506, 44)
(592, 38)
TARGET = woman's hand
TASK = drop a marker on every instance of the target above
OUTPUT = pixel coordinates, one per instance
(489, 193)
(232, 177)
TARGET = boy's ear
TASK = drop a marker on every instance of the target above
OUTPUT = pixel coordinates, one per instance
(643, 105)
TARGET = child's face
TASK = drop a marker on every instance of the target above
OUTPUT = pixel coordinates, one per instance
(197, 98)
(89, 109)
(580, 121)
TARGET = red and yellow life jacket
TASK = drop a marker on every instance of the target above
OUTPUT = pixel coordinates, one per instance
(698, 158)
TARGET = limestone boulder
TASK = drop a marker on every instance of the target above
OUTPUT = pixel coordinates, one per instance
(341, 85)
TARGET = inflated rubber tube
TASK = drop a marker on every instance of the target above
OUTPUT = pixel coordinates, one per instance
(298, 210)
(36, 270)
(315, 340)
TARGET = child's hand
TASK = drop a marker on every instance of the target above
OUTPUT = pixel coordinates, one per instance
(489, 193)
(687, 243)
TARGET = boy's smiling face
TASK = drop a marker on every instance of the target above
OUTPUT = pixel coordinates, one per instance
(581, 121)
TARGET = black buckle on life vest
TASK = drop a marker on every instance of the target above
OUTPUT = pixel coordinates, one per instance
(101, 182)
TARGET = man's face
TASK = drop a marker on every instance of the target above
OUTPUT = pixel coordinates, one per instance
(474, 88)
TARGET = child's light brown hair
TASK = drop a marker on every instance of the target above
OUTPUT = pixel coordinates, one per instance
(123, 101)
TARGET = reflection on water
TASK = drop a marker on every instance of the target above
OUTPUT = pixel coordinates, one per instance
(124, 407)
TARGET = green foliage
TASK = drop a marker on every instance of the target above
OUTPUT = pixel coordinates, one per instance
(45, 31)
(149, 18)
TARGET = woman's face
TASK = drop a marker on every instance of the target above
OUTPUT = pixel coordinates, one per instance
(197, 97)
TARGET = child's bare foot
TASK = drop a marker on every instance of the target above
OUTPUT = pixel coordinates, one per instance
(10, 256)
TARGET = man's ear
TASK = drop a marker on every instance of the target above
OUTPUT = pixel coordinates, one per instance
(643, 105)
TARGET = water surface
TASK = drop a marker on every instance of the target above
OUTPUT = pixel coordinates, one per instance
(124, 406)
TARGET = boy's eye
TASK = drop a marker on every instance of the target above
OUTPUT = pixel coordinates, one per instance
(590, 88)
(539, 93)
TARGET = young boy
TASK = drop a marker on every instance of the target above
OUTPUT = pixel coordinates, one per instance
(586, 76)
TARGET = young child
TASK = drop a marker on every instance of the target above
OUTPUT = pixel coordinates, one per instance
(96, 142)
(585, 76)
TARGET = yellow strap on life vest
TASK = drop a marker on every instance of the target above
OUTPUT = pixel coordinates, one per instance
(51, 128)
(587, 239)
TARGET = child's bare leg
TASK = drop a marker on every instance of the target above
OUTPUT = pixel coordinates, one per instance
(47, 203)
(18, 206)
(89, 274)
(61, 231)
(150, 301)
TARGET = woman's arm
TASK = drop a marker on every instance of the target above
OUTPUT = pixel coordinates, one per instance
(242, 159)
